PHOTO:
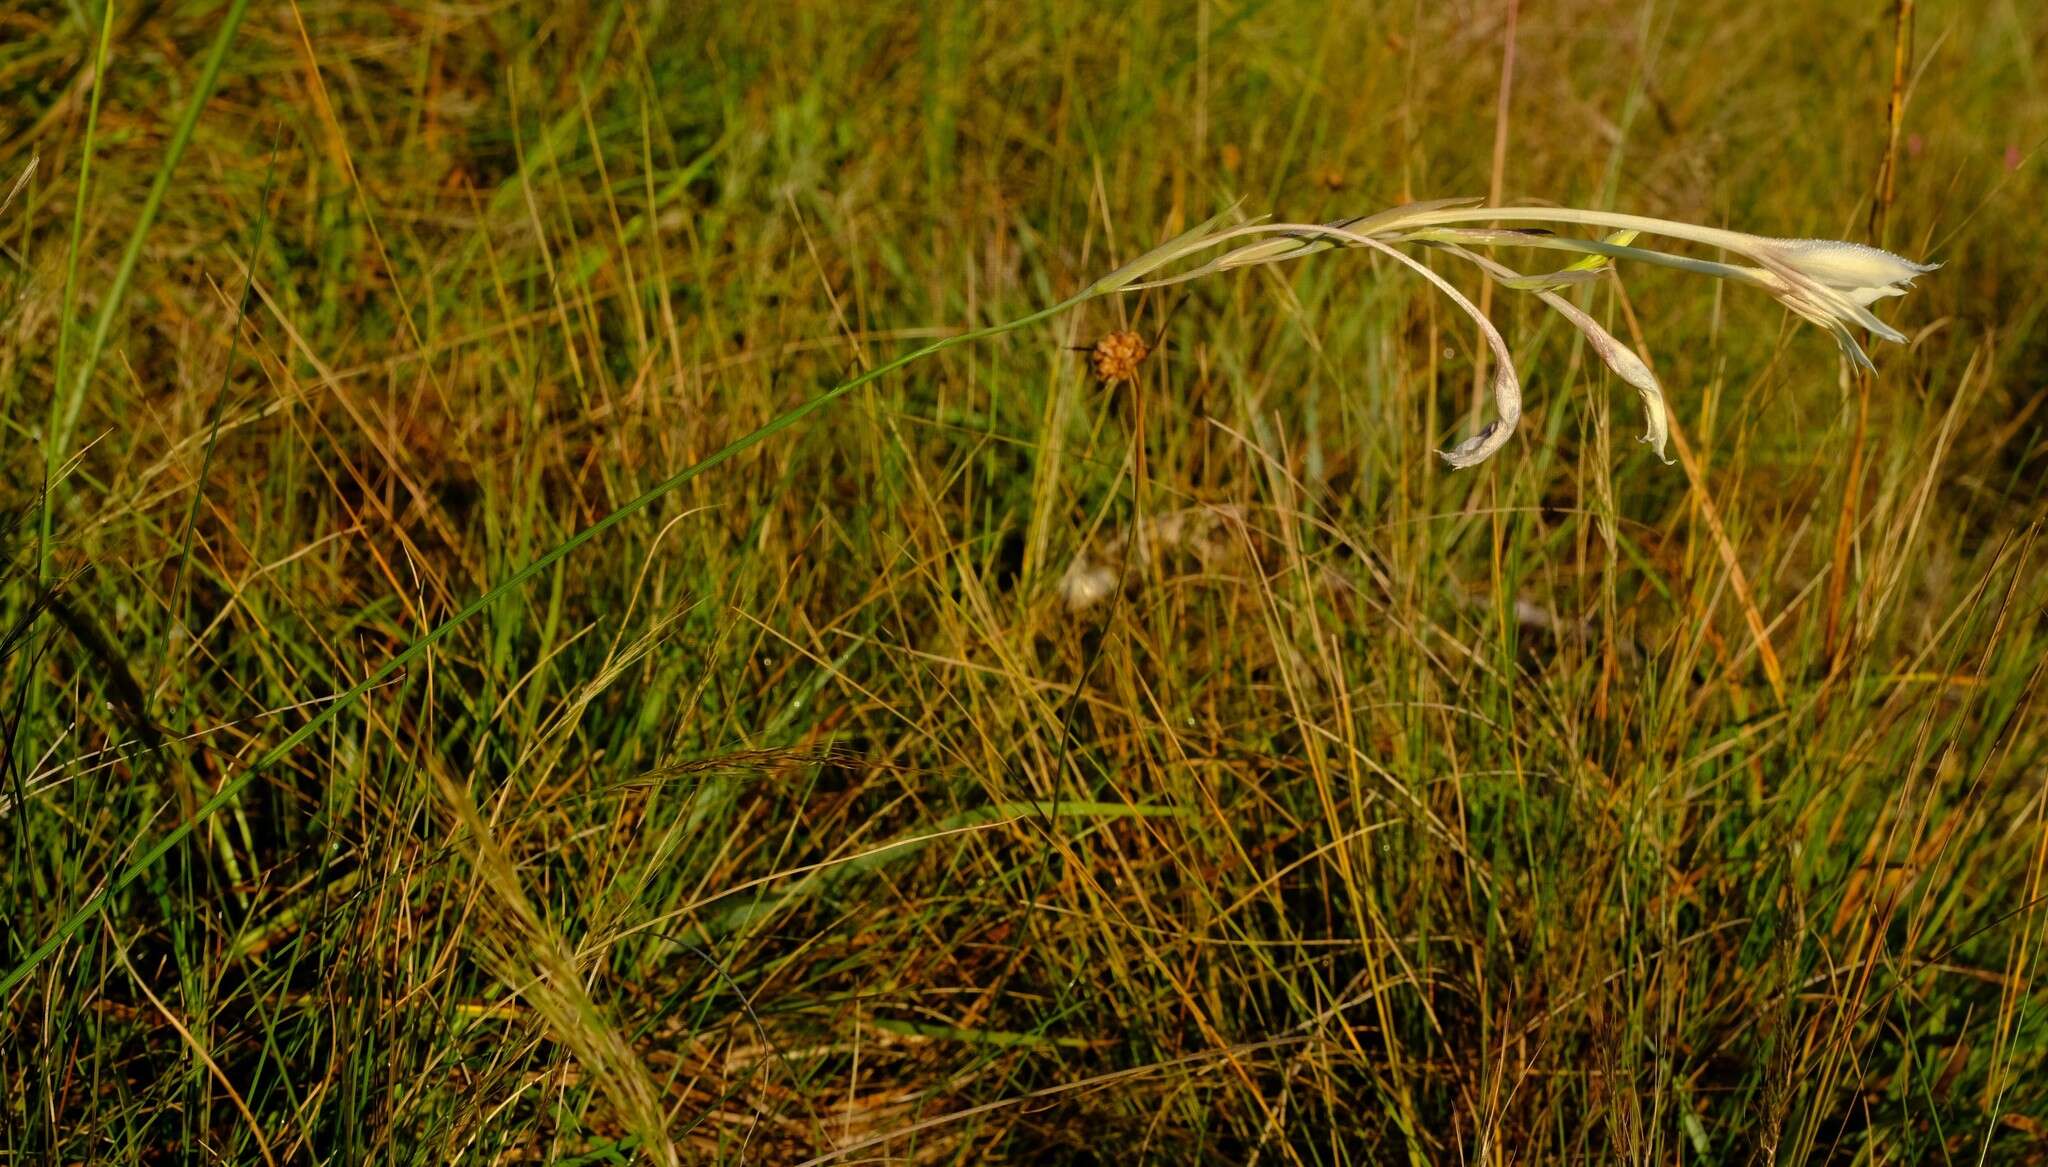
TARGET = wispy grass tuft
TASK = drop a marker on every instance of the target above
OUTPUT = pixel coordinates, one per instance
(559, 638)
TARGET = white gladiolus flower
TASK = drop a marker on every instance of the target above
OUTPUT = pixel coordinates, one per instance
(1827, 282)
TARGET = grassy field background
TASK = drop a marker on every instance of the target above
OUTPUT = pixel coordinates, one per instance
(1572, 808)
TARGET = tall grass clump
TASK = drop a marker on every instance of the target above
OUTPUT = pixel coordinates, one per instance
(568, 597)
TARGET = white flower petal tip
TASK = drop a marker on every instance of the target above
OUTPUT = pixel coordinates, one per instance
(1848, 266)
(1471, 451)
(1480, 446)
(1631, 369)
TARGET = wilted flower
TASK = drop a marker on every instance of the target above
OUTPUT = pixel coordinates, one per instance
(1616, 355)
(1087, 583)
(1116, 356)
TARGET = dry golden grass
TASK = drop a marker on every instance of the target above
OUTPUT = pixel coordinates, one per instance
(1569, 808)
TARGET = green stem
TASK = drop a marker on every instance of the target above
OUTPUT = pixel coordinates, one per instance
(92, 125)
(1738, 242)
(1685, 263)
(209, 75)
(53, 453)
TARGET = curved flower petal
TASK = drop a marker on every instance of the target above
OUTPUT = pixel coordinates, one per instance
(1616, 355)
(1507, 389)
(1838, 264)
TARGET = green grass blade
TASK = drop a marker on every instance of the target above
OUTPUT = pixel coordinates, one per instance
(233, 786)
(209, 76)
